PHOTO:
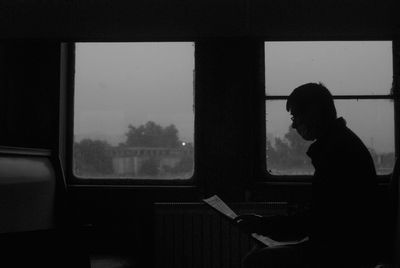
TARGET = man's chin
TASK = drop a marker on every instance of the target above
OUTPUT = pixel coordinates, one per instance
(307, 138)
(306, 135)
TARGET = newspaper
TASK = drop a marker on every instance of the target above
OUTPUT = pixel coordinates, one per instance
(273, 243)
(215, 202)
(219, 205)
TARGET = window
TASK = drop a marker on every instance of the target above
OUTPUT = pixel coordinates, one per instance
(133, 110)
(359, 76)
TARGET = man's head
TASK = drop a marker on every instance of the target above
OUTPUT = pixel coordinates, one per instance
(312, 108)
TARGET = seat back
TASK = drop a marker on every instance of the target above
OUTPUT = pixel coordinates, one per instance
(27, 190)
(33, 227)
(395, 191)
(393, 216)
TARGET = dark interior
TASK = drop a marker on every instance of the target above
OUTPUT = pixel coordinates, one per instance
(116, 223)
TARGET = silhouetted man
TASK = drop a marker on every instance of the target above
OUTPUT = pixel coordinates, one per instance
(342, 222)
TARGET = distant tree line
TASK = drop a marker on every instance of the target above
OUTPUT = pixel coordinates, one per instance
(384, 162)
(152, 135)
(287, 155)
(94, 157)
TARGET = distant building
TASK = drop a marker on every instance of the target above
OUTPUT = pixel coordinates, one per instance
(127, 161)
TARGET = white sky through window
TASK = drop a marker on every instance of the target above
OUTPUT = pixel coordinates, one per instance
(117, 84)
(345, 68)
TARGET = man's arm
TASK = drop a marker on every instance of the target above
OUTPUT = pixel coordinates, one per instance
(279, 227)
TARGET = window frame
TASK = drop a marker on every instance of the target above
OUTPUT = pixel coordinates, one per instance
(260, 171)
(393, 95)
(73, 179)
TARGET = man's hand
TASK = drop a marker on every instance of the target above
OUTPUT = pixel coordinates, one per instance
(250, 223)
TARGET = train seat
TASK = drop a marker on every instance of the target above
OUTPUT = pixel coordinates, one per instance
(33, 231)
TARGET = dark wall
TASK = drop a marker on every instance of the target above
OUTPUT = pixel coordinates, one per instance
(29, 83)
(193, 19)
(229, 108)
(229, 87)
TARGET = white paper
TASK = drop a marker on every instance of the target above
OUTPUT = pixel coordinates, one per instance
(220, 205)
(273, 243)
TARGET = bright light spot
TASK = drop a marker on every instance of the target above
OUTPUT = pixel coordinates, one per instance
(183, 143)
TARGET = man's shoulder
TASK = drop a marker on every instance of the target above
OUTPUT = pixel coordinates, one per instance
(349, 140)
(341, 144)
(342, 137)
(344, 143)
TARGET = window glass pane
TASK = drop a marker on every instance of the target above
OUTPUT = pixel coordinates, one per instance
(133, 114)
(371, 120)
(345, 68)
(286, 150)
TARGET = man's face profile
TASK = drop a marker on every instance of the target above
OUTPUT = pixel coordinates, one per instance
(302, 123)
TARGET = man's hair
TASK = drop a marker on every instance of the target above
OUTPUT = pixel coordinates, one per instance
(312, 96)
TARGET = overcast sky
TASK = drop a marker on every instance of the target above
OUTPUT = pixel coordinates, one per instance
(120, 84)
(345, 68)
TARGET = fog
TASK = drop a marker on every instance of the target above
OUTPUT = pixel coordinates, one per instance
(345, 68)
(120, 84)
(117, 84)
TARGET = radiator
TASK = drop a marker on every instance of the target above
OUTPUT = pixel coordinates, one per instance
(192, 235)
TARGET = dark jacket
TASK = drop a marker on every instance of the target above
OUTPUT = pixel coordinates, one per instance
(344, 221)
